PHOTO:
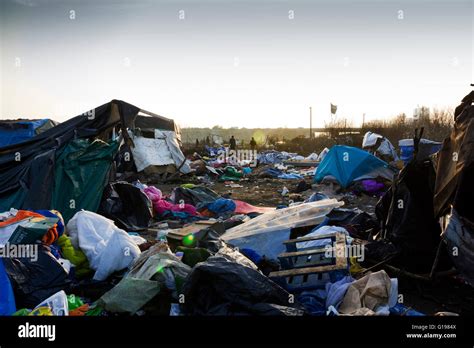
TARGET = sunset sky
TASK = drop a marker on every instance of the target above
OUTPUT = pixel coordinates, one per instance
(248, 64)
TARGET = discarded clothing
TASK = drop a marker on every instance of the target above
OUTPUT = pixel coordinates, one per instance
(335, 291)
(76, 256)
(162, 206)
(231, 174)
(221, 206)
(25, 227)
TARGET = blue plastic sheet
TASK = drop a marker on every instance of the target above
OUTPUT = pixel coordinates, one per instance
(7, 299)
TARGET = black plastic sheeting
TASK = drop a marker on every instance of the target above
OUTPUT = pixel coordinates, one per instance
(35, 280)
(32, 174)
(358, 223)
(198, 196)
(406, 211)
(221, 287)
(127, 205)
(150, 122)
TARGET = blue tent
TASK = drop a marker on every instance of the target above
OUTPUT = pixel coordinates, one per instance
(347, 163)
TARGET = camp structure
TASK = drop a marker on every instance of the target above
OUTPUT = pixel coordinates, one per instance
(347, 164)
(454, 189)
(157, 141)
(16, 131)
(67, 166)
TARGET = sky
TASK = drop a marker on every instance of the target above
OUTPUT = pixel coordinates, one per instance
(251, 64)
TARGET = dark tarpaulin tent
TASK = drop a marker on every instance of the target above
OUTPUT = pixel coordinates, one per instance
(29, 170)
(454, 189)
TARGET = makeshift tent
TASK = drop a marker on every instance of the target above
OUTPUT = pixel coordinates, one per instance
(157, 144)
(17, 131)
(66, 167)
(348, 164)
(158, 154)
(455, 188)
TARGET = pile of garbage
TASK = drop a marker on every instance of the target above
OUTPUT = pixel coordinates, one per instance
(192, 253)
(81, 235)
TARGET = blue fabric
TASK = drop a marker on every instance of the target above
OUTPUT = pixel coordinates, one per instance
(336, 291)
(347, 163)
(313, 303)
(400, 309)
(18, 135)
(7, 299)
(317, 196)
(272, 157)
(251, 254)
(290, 176)
(221, 206)
(55, 250)
(48, 213)
(277, 173)
(247, 170)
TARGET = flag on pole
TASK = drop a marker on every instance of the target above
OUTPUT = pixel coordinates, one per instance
(333, 108)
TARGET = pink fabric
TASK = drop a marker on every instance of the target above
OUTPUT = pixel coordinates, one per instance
(160, 205)
(153, 193)
(245, 208)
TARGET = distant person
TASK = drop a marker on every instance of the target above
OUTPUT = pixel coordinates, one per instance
(208, 141)
(232, 143)
(253, 144)
(197, 143)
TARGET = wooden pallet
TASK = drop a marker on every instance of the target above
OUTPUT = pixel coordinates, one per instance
(336, 263)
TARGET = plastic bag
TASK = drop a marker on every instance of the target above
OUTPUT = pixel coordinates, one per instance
(107, 247)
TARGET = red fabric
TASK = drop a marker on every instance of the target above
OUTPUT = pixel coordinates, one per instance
(245, 208)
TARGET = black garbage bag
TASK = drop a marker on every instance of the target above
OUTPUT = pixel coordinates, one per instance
(209, 238)
(199, 196)
(358, 223)
(127, 205)
(34, 280)
(222, 287)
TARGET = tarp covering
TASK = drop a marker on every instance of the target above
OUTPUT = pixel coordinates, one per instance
(406, 212)
(27, 170)
(17, 131)
(455, 169)
(162, 150)
(81, 175)
(347, 164)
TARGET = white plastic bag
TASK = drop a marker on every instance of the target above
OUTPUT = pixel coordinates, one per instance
(107, 247)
